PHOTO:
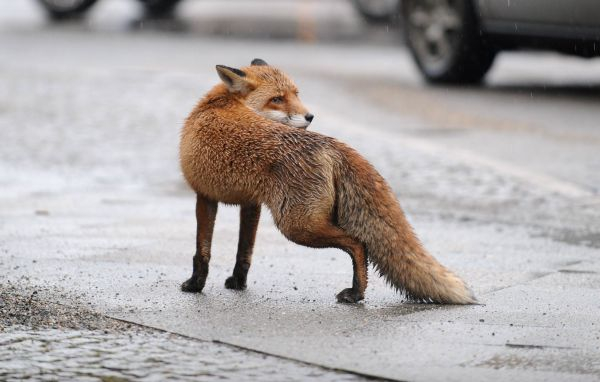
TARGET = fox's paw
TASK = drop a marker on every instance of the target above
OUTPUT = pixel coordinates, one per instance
(194, 285)
(350, 296)
(235, 283)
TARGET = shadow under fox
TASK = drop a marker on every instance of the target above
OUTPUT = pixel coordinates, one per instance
(245, 143)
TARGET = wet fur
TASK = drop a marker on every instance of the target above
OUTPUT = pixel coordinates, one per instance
(320, 192)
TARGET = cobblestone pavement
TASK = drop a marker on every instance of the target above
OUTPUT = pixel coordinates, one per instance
(44, 341)
(96, 355)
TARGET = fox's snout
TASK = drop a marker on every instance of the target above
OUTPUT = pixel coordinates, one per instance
(301, 121)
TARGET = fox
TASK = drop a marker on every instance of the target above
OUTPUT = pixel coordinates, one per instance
(246, 143)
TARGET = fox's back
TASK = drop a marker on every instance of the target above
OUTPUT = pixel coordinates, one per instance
(244, 142)
(235, 156)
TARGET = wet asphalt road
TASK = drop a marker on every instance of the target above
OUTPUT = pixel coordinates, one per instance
(501, 182)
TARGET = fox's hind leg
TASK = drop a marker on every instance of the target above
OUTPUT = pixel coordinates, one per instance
(359, 279)
(206, 211)
(324, 234)
(249, 217)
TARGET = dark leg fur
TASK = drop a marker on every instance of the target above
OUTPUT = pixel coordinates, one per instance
(249, 217)
(354, 294)
(206, 211)
(329, 236)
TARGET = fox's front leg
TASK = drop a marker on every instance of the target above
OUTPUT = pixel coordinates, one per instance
(249, 217)
(206, 211)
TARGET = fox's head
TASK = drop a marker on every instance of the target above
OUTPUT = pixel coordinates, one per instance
(267, 91)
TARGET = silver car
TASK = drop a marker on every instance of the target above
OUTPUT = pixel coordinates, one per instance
(455, 41)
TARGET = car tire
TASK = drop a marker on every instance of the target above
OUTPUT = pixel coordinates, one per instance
(159, 8)
(61, 10)
(446, 41)
(378, 11)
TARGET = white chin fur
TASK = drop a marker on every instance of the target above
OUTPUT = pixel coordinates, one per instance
(296, 120)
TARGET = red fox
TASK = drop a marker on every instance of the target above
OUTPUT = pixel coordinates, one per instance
(246, 143)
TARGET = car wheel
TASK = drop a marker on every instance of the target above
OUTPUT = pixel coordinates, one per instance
(446, 41)
(65, 9)
(377, 11)
(159, 8)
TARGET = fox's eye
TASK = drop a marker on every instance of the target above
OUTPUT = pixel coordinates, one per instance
(277, 100)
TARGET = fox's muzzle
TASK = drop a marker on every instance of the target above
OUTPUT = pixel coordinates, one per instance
(300, 121)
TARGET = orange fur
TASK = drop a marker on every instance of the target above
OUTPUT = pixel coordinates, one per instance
(320, 192)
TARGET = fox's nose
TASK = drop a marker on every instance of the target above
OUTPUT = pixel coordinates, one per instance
(309, 117)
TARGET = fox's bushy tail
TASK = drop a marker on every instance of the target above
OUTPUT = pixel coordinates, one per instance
(368, 210)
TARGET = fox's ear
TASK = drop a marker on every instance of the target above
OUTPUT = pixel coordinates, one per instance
(234, 79)
(259, 62)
